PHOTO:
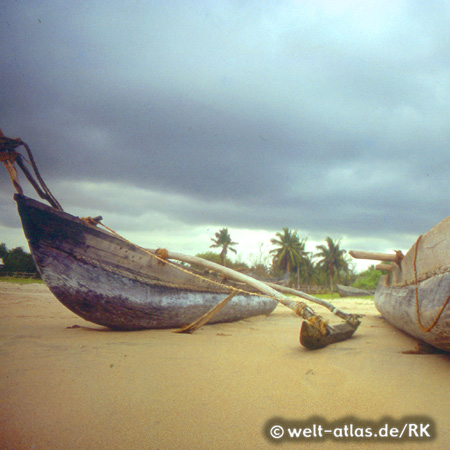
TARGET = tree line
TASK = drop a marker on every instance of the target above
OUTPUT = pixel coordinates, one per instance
(288, 259)
(16, 260)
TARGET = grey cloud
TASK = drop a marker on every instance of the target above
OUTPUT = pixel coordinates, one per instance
(243, 114)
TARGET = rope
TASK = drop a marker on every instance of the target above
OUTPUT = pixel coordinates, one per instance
(435, 321)
(9, 144)
(161, 256)
(8, 156)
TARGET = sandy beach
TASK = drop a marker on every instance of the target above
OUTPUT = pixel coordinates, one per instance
(68, 384)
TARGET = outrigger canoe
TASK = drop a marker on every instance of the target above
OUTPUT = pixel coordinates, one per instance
(414, 294)
(107, 280)
(350, 291)
(111, 282)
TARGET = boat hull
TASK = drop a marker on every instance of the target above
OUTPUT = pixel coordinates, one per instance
(349, 291)
(427, 265)
(398, 306)
(111, 282)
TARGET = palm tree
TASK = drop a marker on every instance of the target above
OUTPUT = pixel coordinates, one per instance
(290, 252)
(223, 239)
(309, 271)
(332, 258)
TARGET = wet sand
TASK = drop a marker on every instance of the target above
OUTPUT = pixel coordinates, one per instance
(68, 384)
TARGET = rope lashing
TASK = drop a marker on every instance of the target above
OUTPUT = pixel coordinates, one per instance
(9, 156)
(9, 144)
(163, 255)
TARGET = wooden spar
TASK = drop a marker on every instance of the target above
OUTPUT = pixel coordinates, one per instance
(307, 312)
(314, 333)
(194, 326)
(394, 257)
(270, 289)
(388, 267)
(336, 311)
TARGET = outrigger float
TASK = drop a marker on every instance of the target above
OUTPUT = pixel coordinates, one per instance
(107, 280)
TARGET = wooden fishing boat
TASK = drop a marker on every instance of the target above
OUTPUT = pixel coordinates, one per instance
(350, 291)
(110, 281)
(414, 294)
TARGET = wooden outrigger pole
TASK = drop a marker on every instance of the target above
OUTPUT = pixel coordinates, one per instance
(315, 332)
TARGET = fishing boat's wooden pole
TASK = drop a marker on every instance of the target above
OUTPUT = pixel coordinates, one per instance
(237, 276)
(270, 289)
(336, 311)
(194, 326)
(315, 333)
(385, 267)
(394, 257)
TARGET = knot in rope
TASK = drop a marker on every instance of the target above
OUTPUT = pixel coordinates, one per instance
(9, 144)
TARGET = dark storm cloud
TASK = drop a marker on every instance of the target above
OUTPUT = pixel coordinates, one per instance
(327, 117)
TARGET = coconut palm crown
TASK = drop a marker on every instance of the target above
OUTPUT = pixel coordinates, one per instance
(332, 258)
(223, 239)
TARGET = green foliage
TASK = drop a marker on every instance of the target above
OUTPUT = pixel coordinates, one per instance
(329, 265)
(3, 250)
(332, 259)
(368, 279)
(223, 240)
(288, 250)
(290, 256)
(20, 280)
(259, 271)
(216, 258)
(16, 260)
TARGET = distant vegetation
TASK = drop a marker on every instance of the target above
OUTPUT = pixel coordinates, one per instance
(368, 279)
(223, 240)
(16, 260)
(288, 260)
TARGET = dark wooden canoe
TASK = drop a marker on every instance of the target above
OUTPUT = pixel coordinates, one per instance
(350, 291)
(428, 262)
(108, 281)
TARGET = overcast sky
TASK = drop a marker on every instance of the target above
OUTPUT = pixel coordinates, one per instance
(173, 119)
